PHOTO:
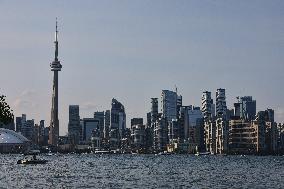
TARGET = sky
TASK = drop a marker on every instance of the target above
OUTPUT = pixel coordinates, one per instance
(132, 49)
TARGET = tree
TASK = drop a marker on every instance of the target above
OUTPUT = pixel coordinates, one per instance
(6, 114)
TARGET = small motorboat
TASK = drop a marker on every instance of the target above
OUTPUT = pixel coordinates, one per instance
(31, 161)
(202, 153)
(30, 158)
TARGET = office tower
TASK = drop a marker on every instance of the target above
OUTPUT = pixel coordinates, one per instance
(88, 126)
(173, 130)
(101, 117)
(207, 107)
(221, 122)
(18, 124)
(179, 104)
(195, 129)
(160, 134)
(107, 124)
(138, 136)
(36, 134)
(54, 122)
(245, 108)
(41, 133)
(148, 124)
(221, 107)
(96, 139)
(136, 121)
(184, 122)
(271, 133)
(28, 129)
(169, 105)
(154, 118)
(209, 122)
(118, 117)
(74, 128)
(154, 110)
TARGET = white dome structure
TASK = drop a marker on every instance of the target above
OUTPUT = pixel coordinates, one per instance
(10, 141)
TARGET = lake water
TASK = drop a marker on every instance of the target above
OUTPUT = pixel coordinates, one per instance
(144, 171)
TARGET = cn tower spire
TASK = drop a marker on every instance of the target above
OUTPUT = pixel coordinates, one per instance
(56, 41)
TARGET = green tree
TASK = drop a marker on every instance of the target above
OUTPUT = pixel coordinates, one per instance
(6, 114)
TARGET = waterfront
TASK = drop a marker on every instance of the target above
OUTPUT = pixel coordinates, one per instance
(144, 171)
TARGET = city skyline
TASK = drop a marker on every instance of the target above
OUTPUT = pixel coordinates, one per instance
(133, 50)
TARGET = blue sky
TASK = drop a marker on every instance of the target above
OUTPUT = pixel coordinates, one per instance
(131, 50)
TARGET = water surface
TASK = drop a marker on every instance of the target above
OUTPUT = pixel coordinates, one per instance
(144, 171)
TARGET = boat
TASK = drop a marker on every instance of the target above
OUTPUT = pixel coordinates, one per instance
(202, 153)
(31, 161)
(164, 153)
(30, 158)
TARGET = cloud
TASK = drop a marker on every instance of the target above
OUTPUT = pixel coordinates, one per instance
(25, 101)
(279, 114)
(28, 93)
(88, 106)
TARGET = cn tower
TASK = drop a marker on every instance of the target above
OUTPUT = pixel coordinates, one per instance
(54, 121)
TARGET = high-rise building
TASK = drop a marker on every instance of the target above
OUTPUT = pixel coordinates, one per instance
(221, 122)
(152, 118)
(74, 128)
(54, 122)
(107, 124)
(138, 136)
(41, 133)
(136, 121)
(221, 107)
(18, 124)
(169, 105)
(28, 129)
(101, 117)
(118, 117)
(245, 108)
(154, 110)
(89, 125)
(148, 116)
(209, 122)
(179, 104)
(160, 134)
(173, 130)
(207, 105)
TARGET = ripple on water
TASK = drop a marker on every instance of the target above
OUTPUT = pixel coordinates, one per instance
(144, 171)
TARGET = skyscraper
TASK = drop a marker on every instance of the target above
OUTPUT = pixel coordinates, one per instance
(107, 124)
(169, 105)
(245, 108)
(209, 124)
(221, 107)
(221, 122)
(74, 128)
(154, 111)
(101, 117)
(54, 121)
(207, 105)
(118, 117)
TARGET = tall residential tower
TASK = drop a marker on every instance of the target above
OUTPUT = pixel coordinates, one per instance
(54, 121)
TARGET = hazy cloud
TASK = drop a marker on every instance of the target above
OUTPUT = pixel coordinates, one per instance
(25, 101)
(279, 114)
(88, 106)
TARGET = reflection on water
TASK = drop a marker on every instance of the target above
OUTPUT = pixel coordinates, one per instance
(144, 171)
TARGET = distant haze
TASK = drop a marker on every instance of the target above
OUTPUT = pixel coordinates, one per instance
(131, 50)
